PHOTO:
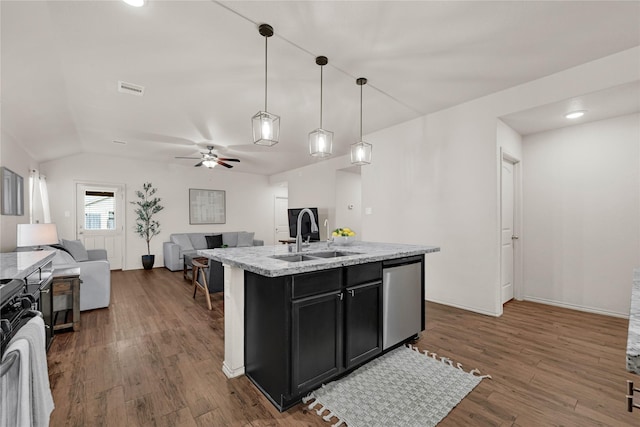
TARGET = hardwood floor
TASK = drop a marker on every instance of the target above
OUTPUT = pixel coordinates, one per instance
(154, 358)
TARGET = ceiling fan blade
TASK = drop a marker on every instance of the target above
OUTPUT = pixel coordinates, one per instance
(199, 164)
(192, 158)
(228, 160)
(223, 164)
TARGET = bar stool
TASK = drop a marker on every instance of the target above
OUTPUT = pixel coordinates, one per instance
(199, 270)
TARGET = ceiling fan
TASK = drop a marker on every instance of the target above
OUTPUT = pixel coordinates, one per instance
(210, 159)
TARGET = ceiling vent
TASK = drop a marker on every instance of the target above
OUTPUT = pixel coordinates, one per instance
(130, 88)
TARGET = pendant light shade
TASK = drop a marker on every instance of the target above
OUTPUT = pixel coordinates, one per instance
(321, 140)
(266, 126)
(361, 151)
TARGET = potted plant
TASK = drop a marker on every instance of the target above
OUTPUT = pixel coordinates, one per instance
(146, 226)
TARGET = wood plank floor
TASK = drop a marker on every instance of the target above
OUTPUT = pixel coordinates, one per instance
(154, 358)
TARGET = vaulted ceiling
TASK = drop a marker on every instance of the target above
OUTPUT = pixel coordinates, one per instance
(202, 66)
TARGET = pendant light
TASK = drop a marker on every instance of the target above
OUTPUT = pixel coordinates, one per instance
(266, 126)
(320, 140)
(361, 151)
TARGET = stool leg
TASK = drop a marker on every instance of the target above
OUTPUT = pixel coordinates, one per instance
(194, 273)
(206, 289)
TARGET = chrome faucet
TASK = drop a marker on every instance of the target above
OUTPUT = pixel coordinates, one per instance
(314, 227)
(329, 237)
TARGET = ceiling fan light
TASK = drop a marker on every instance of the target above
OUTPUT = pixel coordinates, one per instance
(320, 143)
(266, 128)
(361, 153)
(209, 164)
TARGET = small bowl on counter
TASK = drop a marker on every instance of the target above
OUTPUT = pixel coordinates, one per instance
(343, 240)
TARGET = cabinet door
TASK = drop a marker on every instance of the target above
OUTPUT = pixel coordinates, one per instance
(363, 323)
(45, 305)
(316, 340)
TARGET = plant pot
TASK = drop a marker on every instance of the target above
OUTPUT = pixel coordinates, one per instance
(147, 261)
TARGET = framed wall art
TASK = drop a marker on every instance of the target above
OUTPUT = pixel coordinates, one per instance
(207, 206)
(12, 193)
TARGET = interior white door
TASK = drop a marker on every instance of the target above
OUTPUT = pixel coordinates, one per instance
(100, 220)
(508, 236)
(281, 219)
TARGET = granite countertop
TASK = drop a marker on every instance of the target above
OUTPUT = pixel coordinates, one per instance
(257, 259)
(633, 340)
(18, 265)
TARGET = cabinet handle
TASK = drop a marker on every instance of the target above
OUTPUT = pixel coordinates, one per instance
(352, 292)
(341, 296)
(45, 292)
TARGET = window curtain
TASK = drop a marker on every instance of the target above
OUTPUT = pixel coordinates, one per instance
(39, 210)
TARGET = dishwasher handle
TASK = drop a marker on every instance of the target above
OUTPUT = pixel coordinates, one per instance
(402, 261)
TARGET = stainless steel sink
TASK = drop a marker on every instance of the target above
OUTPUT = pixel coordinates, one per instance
(312, 256)
(331, 254)
(294, 258)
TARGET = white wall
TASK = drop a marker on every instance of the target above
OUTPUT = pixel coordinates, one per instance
(439, 181)
(249, 197)
(314, 186)
(19, 161)
(582, 214)
(348, 193)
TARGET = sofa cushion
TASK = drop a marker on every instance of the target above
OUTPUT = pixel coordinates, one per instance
(62, 257)
(198, 240)
(183, 241)
(76, 249)
(230, 239)
(214, 241)
(245, 239)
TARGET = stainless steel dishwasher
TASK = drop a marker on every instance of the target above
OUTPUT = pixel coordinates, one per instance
(403, 301)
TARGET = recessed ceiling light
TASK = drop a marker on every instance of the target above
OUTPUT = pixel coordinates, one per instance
(134, 3)
(575, 114)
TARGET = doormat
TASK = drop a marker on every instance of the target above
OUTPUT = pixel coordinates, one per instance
(401, 388)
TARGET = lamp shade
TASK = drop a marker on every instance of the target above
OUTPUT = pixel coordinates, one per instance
(266, 128)
(37, 235)
(361, 153)
(320, 143)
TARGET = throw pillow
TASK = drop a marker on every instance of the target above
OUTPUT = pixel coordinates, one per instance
(230, 239)
(198, 241)
(245, 239)
(183, 241)
(214, 241)
(76, 249)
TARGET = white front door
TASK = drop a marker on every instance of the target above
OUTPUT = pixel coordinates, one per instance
(100, 219)
(281, 219)
(508, 236)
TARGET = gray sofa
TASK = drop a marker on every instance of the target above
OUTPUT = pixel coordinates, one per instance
(95, 274)
(182, 244)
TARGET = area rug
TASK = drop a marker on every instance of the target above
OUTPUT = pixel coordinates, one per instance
(401, 388)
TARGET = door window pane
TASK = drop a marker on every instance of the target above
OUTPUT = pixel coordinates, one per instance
(99, 210)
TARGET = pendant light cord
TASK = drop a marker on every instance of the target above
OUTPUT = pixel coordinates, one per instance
(321, 67)
(360, 112)
(265, 73)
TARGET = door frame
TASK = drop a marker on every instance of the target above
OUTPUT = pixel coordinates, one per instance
(518, 291)
(275, 216)
(122, 188)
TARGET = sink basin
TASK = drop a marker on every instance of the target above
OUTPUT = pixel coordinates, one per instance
(294, 258)
(331, 254)
(312, 256)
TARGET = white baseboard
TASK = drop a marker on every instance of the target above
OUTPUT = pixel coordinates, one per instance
(232, 373)
(464, 307)
(576, 307)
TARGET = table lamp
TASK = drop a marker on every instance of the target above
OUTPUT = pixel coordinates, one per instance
(37, 235)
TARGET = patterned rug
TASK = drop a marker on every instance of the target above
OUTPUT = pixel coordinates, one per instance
(402, 388)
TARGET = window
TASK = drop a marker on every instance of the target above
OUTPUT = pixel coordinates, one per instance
(99, 210)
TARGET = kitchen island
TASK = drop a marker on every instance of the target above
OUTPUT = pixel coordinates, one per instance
(287, 292)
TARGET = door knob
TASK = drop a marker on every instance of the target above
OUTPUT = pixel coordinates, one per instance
(514, 237)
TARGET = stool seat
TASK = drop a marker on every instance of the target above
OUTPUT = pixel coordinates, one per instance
(198, 274)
